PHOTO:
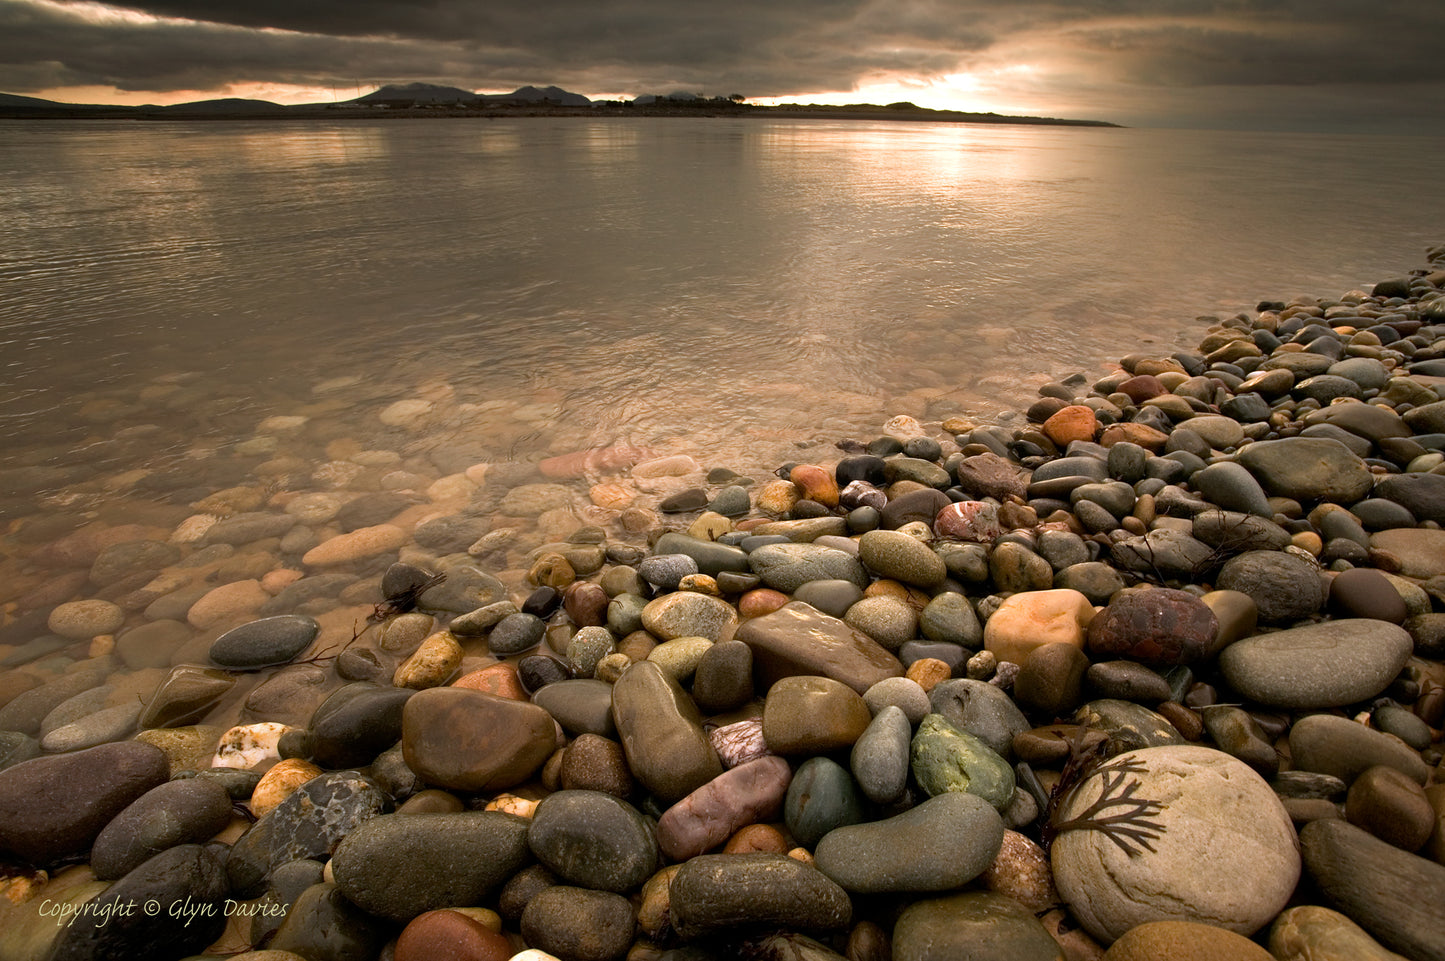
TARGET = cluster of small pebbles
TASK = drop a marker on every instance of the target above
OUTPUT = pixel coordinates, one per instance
(1160, 675)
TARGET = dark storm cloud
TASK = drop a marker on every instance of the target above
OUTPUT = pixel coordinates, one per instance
(755, 47)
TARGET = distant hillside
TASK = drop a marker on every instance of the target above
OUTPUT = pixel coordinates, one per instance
(529, 94)
(226, 105)
(417, 93)
(433, 100)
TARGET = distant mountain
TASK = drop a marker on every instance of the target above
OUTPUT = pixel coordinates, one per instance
(417, 93)
(225, 105)
(530, 94)
(428, 93)
(13, 100)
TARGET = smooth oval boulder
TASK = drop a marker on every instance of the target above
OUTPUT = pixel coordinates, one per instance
(1174, 810)
(1184, 941)
(356, 723)
(1285, 588)
(1309, 932)
(1329, 664)
(470, 741)
(177, 812)
(750, 793)
(723, 894)
(1396, 896)
(594, 840)
(1154, 626)
(577, 924)
(265, 642)
(973, 926)
(941, 844)
(1308, 469)
(689, 614)
(787, 567)
(186, 881)
(54, 807)
(813, 715)
(397, 866)
(901, 557)
(1345, 749)
(945, 759)
(798, 639)
(661, 733)
(1032, 619)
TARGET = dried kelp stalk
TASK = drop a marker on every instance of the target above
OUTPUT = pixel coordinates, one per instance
(1117, 813)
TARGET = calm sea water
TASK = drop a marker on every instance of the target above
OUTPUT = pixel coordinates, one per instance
(711, 285)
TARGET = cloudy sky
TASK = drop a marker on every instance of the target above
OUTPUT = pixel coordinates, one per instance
(1361, 65)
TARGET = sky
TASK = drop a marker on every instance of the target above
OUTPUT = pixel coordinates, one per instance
(1326, 65)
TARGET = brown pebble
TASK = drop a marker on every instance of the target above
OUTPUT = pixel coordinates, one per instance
(868, 942)
(552, 570)
(928, 672)
(596, 763)
(757, 838)
(431, 801)
(763, 600)
(1391, 806)
(449, 936)
(1185, 721)
(498, 679)
(1184, 941)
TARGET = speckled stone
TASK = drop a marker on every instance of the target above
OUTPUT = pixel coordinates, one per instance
(1211, 809)
(941, 844)
(974, 925)
(397, 866)
(1184, 941)
(1329, 664)
(721, 894)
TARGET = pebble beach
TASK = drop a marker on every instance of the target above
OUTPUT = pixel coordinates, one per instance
(1153, 669)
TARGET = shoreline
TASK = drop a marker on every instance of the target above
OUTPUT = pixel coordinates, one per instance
(941, 633)
(712, 112)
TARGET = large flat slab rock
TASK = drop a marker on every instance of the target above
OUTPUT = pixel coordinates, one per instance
(799, 639)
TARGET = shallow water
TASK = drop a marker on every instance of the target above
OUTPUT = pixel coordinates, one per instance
(240, 307)
(708, 285)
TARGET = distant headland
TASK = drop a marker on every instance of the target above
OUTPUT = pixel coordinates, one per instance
(423, 100)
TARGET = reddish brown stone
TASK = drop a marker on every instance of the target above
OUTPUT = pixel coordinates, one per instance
(1154, 626)
(815, 484)
(1076, 422)
(989, 475)
(470, 741)
(1142, 434)
(449, 936)
(586, 603)
(498, 679)
(1142, 387)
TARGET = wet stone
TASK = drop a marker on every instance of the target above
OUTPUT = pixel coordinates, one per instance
(978, 924)
(184, 696)
(187, 874)
(581, 705)
(1329, 664)
(944, 758)
(821, 797)
(579, 924)
(723, 894)
(1154, 626)
(943, 843)
(746, 794)
(593, 840)
(177, 812)
(42, 816)
(469, 741)
(661, 731)
(309, 823)
(1396, 896)
(1129, 726)
(1284, 587)
(356, 723)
